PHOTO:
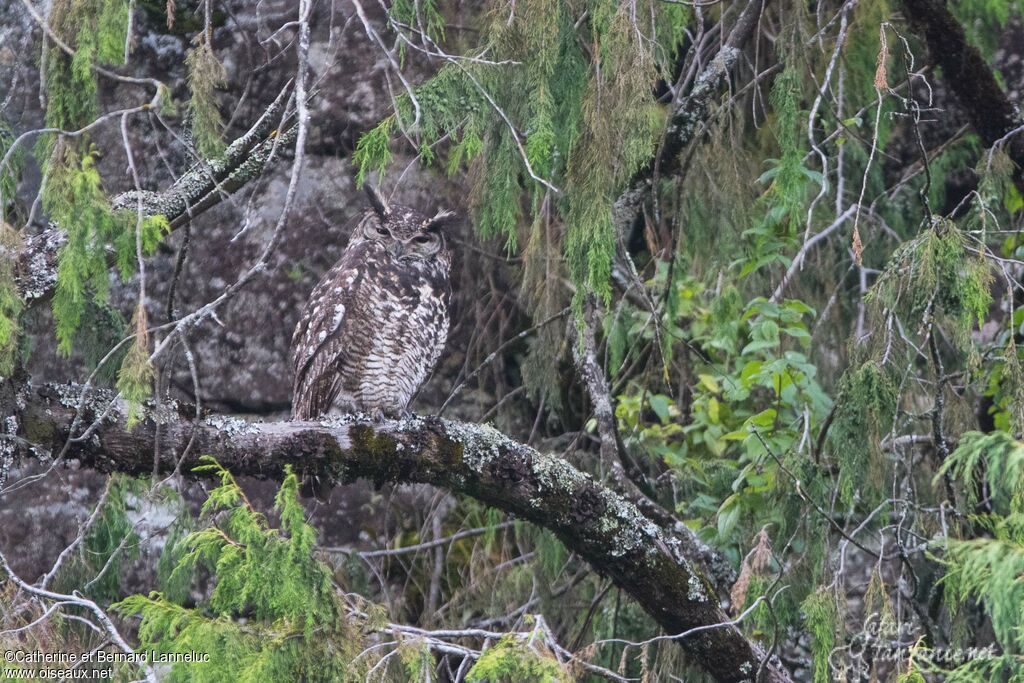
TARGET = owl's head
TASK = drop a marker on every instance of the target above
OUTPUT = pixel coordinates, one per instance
(407, 234)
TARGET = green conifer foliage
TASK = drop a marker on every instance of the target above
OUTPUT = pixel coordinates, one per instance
(867, 403)
(135, 379)
(421, 15)
(821, 617)
(513, 661)
(617, 136)
(568, 114)
(936, 276)
(75, 200)
(10, 243)
(205, 75)
(96, 31)
(73, 197)
(9, 172)
(994, 460)
(10, 301)
(988, 569)
(294, 627)
(110, 546)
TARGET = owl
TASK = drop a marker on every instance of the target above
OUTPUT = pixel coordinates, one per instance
(376, 323)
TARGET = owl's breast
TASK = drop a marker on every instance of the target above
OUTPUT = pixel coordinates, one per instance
(397, 337)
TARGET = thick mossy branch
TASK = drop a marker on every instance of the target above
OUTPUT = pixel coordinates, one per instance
(478, 461)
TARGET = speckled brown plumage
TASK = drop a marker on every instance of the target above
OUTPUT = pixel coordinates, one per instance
(376, 323)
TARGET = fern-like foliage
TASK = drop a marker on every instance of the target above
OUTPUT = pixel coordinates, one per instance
(994, 460)
(513, 660)
(72, 191)
(988, 569)
(821, 617)
(10, 301)
(412, 17)
(135, 379)
(617, 136)
(867, 398)
(936, 274)
(205, 75)
(97, 30)
(561, 101)
(273, 614)
(110, 546)
(75, 200)
(8, 172)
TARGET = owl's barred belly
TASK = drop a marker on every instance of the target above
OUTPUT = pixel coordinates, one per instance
(401, 350)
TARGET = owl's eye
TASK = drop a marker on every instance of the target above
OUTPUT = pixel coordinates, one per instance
(422, 239)
(382, 231)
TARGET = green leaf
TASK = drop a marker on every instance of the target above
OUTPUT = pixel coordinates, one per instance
(759, 345)
(765, 418)
(661, 406)
(710, 383)
(728, 515)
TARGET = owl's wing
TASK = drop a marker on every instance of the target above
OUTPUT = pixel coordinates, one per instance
(318, 348)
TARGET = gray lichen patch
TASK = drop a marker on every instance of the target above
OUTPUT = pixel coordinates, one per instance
(168, 412)
(556, 474)
(695, 589)
(619, 522)
(629, 529)
(481, 444)
(79, 397)
(231, 426)
(38, 272)
(336, 420)
(68, 395)
(407, 423)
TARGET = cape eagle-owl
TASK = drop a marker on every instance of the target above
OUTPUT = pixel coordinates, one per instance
(376, 323)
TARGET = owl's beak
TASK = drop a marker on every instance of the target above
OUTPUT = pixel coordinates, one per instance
(397, 250)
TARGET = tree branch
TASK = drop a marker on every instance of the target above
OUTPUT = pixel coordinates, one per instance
(203, 186)
(965, 71)
(687, 115)
(626, 477)
(478, 461)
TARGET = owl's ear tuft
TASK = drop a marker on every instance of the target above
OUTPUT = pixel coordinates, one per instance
(441, 219)
(377, 201)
